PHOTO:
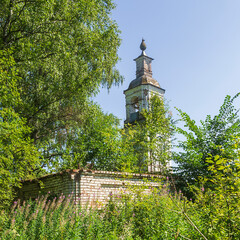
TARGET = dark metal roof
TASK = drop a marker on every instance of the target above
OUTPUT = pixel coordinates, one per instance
(144, 76)
(143, 80)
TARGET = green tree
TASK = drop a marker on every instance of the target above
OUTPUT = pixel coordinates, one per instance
(215, 136)
(18, 156)
(95, 142)
(63, 51)
(150, 138)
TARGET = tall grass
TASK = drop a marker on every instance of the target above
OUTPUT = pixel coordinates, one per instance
(126, 216)
(139, 215)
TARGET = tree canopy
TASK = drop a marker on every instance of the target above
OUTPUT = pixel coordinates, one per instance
(54, 56)
(63, 51)
(96, 142)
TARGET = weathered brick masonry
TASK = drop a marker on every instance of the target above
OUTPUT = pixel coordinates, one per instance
(87, 187)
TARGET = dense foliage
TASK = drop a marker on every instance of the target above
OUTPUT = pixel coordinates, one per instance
(100, 141)
(18, 155)
(97, 142)
(54, 55)
(63, 51)
(214, 137)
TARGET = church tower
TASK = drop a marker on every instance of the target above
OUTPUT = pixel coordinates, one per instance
(142, 88)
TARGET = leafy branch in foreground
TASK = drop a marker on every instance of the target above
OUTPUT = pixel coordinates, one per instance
(214, 137)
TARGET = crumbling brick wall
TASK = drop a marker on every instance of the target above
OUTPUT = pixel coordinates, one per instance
(92, 188)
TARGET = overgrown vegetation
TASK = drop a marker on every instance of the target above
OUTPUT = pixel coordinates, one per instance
(18, 155)
(148, 142)
(54, 55)
(62, 51)
(216, 136)
(159, 214)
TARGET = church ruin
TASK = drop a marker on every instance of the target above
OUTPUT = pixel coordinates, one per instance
(95, 187)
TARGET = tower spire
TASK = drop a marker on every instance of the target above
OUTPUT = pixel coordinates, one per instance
(140, 89)
(143, 47)
(143, 62)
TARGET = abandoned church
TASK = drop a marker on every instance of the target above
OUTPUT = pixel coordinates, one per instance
(94, 187)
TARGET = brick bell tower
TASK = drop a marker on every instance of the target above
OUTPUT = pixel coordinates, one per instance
(142, 88)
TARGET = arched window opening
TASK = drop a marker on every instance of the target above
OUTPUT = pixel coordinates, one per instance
(135, 104)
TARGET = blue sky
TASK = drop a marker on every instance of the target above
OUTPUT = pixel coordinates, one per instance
(196, 49)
